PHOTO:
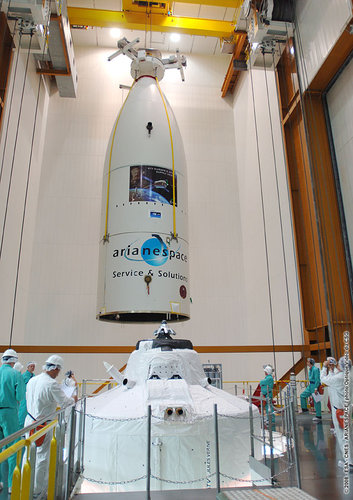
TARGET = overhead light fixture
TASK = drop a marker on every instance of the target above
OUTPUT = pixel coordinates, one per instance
(115, 33)
(175, 37)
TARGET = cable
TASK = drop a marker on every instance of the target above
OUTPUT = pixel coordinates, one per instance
(173, 160)
(110, 161)
(264, 221)
(279, 202)
(10, 106)
(26, 196)
(15, 145)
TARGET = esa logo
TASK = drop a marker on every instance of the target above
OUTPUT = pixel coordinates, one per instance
(153, 251)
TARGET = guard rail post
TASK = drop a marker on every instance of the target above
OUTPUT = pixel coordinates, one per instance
(52, 467)
(217, 448)
(60, 436)
(293, 386)
(295, 442)
(71, 455)
(252, 448)
(148, 471)
(82, 433)
(269, 416)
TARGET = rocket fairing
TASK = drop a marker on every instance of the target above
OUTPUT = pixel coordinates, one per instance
(143, 258)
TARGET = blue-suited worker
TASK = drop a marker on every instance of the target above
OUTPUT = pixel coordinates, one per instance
(12, 391)
(28, 374)
(314, 382)
(266, 385)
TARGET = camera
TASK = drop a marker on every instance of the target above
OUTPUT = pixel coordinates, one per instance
(69, 374)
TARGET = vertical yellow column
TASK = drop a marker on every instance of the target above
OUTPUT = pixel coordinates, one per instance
(16, 478)
(52, 468)
(26, 477)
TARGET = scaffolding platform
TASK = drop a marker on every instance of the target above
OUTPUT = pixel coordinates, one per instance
(207, 494)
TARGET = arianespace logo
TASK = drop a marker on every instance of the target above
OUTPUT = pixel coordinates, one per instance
(153, 251)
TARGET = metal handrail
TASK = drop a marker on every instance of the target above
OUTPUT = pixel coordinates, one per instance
(23, 491)
(23, 477)
(24, 430)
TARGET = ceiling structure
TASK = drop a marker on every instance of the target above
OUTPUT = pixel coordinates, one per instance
(201, 24)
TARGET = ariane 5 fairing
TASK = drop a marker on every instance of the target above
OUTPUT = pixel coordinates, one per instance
(143, 262)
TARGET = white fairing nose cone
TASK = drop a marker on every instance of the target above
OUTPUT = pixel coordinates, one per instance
(143, 266)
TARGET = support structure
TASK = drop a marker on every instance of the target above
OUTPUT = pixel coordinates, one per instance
(323, 262)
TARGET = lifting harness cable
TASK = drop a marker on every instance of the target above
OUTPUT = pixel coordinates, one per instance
(26, 191)
(263, 220)
(106, 234)
(15, 144)
(172, 153)
(279, 201)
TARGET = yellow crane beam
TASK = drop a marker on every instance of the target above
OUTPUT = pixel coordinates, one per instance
(234, 4)
(166, 4)
(153, 22)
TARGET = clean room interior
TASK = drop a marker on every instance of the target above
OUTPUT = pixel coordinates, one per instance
(246, 296)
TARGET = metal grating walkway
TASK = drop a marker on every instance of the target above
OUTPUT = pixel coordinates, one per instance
(265, 493)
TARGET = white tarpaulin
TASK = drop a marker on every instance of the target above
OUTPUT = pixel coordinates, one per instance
(183, 438)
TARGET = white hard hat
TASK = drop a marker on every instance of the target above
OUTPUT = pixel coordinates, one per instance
(268, 369)
(54, 359)
(53, 362)
(9, 356)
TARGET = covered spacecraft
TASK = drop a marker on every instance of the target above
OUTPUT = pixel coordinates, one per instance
(167, 375)
(143, 261)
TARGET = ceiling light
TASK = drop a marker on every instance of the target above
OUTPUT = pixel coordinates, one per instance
(174, 37)
(115, 33)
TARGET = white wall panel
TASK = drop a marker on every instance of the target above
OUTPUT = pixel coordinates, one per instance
(15, 146)
(65, 263)
(227, 264)
(319, 25)
(340, 103)
(264, 290)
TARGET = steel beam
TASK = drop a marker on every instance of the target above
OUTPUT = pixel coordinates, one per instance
(154, 22)
(233, 4)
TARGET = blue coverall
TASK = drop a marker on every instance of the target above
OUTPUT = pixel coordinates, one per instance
(12, 391)
(266, 385)
(314, 382)
(22, 412)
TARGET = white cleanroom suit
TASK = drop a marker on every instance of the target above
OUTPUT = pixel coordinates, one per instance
(335, 382)
(43, 396)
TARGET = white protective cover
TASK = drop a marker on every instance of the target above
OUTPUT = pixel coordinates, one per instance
(183, 447)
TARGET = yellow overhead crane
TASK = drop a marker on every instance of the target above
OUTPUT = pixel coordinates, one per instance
(160, 19)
